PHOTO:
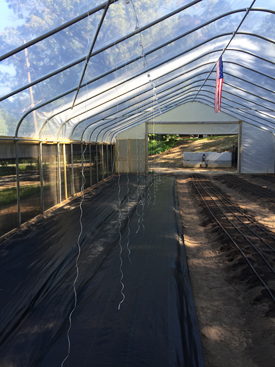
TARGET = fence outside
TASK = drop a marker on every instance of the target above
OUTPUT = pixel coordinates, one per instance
(35, 176)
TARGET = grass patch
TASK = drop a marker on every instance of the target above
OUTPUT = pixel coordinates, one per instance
(7, 171)
(9, 196)
(11, 169)
(218, 144)
(160, 143)
(215, 143)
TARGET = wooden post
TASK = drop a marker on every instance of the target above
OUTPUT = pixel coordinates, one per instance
(146, 147)
(65, 171)
(59, 172)
(72, 163)
(18, 186)
(239, 171)
(41, 178)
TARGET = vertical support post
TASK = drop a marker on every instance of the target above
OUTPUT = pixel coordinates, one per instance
(30, 89)
(107, 159)
(91, 176)
(129, 160)
(18, 186)
(59, 172)
(102, 160)
(41, 177)
(112, 159)
(239, 171)
(65, 171)
(72, 163)
(96, 162)
(146, 148)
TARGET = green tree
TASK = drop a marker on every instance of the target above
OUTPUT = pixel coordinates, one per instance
(72, 43)
(6, 120)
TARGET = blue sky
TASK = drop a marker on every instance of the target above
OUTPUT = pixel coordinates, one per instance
(7, 17)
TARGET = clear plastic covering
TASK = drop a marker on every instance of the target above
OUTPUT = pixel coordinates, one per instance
(93, 164)
(24, 21)
(29, 180)
(77, 164)
(50, 175)
(84, 70)
(8, 190)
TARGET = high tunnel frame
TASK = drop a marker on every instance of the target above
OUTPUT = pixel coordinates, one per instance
(109, 126)
(96, 160)
(170, 60)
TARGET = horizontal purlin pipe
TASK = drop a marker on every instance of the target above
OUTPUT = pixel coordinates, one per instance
(127, 100)
(238, 109)
(180, 101)
(101, 76)
(132, 111)
(132, 120)
(96, 52)
(125, 126)
(228, 43)
(178, 77)
(169, 99)
(234, 113)
(91, 50)
(53, 31)
(162, 91)
(107, 73)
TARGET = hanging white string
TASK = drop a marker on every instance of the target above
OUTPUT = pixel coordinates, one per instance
(141, 186)
(119, 232)
(155, 161)
(138, 185)
(128, 203)
(77, 257)
(155, 100)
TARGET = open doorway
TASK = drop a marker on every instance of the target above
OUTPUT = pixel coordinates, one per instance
(166, 152)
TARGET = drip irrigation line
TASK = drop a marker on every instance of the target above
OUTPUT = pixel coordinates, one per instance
(77, 259)
(216, 192)
(120, 237)
(230, 221)
(249, 187)
(234, 242)
(248, 217)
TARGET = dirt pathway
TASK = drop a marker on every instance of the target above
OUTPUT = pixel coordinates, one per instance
(237, 322)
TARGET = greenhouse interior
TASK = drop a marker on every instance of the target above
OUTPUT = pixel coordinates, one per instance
(112, 255)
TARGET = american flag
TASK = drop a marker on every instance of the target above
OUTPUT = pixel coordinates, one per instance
(219, 83)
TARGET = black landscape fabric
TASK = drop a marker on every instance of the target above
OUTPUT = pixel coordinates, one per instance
(156, 324)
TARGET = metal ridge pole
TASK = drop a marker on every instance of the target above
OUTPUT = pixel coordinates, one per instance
(97, 51)
(132, 77)
(55, 30)
(72, 164)
(228, 43)
(91, 50)
(47, 76)
(167, 99)
(130, 123)
(131, 119)
(146, 91)
(163, 75)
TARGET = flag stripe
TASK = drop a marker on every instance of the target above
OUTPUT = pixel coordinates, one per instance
(219, 84)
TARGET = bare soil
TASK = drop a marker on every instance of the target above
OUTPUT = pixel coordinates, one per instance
(172, 160)
(236, 316)
(237, 319)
